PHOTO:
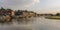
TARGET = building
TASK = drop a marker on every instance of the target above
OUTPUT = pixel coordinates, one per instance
(7, 12)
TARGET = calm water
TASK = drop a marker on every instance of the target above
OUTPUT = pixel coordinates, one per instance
(38, 23)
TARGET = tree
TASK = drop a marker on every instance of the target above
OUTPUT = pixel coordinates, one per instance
(58, 14)
(2, 8)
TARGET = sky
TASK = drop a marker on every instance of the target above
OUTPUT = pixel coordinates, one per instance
(39, 6)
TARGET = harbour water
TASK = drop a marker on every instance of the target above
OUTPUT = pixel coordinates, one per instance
(38, 23)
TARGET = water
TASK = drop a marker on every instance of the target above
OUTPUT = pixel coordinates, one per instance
(38, 23)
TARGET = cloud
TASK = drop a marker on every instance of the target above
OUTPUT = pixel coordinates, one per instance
(53, 3)
(33, 2)
(17, 3)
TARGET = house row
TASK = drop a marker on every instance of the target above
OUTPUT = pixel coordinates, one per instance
(10, 12)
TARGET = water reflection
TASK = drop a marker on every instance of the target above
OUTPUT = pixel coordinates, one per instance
(18, 21)
(38, 23)
(17, 24)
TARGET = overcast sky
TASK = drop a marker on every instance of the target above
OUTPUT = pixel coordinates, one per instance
(39, 6)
